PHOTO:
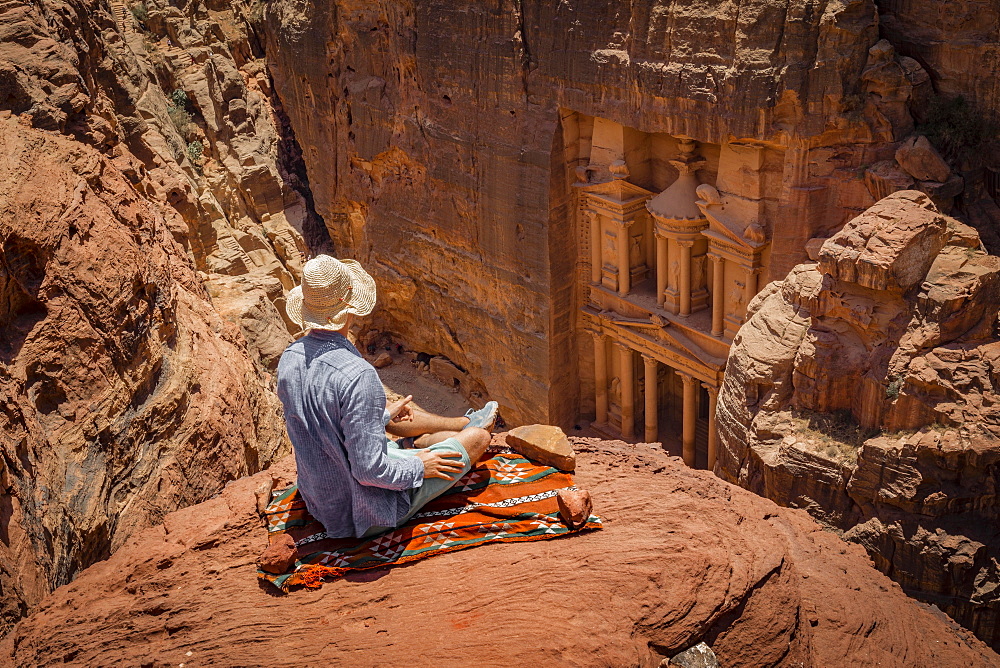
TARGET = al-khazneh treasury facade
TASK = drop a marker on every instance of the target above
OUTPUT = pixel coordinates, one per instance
(673, 243)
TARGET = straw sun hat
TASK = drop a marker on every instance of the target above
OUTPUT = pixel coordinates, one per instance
(331, 290)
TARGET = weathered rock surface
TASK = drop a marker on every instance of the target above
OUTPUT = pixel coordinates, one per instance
(152, 217)
(684, 557)
(865, 389)
(958, 42)
(921, 160)
(544, 444)
(125, 394)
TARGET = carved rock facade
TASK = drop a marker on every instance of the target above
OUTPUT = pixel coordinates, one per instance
(492, 164)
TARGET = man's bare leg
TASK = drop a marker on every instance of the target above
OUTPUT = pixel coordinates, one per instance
(474, 440)
(426, 423)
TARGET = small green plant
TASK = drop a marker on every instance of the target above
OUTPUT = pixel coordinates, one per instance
(181, 119)
(195, 152)
(956, 128)
(893, 388)
(140, 11)
(179, 98)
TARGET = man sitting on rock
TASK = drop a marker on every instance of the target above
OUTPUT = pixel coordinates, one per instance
(355, 480)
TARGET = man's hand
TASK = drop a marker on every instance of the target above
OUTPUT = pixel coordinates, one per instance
(440, 465)
(400, 411)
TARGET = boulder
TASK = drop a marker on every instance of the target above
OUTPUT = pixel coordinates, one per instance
(888, 247)
(383, 360)
(921, 160)
(544, 444)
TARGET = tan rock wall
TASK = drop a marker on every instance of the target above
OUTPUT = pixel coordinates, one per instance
(864, 390)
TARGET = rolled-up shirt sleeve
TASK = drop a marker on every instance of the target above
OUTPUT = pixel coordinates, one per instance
(362, 421)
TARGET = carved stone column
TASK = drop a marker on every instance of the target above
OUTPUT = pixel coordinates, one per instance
(690, 418)
(713, 435)
(685, 246)
(627, 389)
(718, 294)
(652, 402)
(661, 268)
(751, 286)
(624, 266)
(595, 247)
(600, 376)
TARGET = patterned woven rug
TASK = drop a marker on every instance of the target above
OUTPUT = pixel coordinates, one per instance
(503, 499)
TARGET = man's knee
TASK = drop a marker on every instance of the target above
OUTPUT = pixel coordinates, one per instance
(475, 441)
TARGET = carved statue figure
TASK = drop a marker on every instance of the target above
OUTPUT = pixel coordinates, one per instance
(618, 169)
(708, 194)
(635, 253)
(615, 391)
(609, 248)
(755, 233)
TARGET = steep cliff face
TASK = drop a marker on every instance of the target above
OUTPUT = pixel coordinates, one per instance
(151, 220)
(432, 136)
(958, 44)
(865, 387)
(701, 561)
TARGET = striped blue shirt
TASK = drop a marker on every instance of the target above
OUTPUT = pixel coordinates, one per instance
(335, 414)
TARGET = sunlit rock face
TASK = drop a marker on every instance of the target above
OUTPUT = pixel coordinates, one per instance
(152, 219)
(864, 388)
(443, 140)
(703, 561)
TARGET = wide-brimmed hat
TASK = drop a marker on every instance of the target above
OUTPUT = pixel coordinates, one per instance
(331, 290)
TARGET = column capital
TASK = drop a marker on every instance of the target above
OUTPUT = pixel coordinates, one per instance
(623, 222)
(753, 271)
(649, 359)
(715, 257)
(687, 378)
(620, 347)
(713, 390)
(685, 243)
(596, 333)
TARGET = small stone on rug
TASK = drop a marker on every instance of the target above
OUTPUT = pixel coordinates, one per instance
(575, 507)
(279, 556)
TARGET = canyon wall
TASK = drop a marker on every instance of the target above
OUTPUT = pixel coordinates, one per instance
(864, 388)
(432, 137)
(153, 214)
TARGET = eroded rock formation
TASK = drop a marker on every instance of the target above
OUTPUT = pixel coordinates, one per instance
(864, 388)
(152, 217)
(684, 558)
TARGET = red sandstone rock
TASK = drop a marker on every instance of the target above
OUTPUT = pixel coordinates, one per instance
(889, 246)
(879, 410)
(383, 360)
(126, 395)
(280, 556)
(684, 558)
(544, 444)
(575, 507)
(921, 160)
